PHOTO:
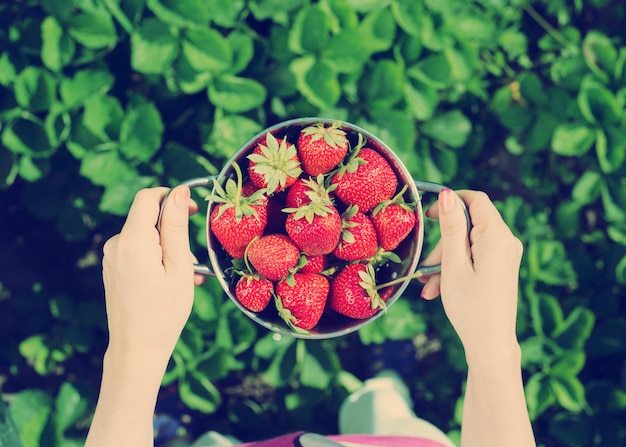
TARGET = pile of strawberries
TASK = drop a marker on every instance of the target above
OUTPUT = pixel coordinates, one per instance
(311, 224)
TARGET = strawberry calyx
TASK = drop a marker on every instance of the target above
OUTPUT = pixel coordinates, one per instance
(333, 135)
(321, 204)
(287, 316)
(368, 283)
(398, 199)
(383, 256)
(352, 163)
(347, 224)
(232, 196)
(277, 161)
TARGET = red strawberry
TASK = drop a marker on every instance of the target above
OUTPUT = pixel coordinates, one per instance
(253, 292)
(353, 292)
(236, 219)
(394, 220)
(358, 236)
(273, 256)
(322, 148)
(274, 165)
(314, 264)
(366, 180)
(302, 302)
(303, 191)
(315, 229)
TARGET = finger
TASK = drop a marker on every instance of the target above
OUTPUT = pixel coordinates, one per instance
(175, 230)
(455, 249)
(432, 289)
(193, 207)
(198, 280)
(144, 211)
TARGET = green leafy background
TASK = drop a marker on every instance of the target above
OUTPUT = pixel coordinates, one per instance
(525, 100)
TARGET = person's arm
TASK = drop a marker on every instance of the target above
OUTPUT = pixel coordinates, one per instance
(479, 291)
(148, 280)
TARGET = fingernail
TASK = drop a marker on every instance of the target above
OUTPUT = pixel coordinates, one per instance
(181, 197)
(447, 199)
(423, 293)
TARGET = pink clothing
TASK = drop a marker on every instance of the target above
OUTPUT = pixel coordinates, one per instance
(360, 440)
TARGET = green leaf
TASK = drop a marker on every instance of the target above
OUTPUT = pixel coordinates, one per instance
(207, 50)
(9, 167)
(398, 323)
(318, 367)
(539, 395)
(569, 365)
(181, 163)
(35, 89)
(103, 116)
(282, 366)
(236, 94)
(407, 14)
(451, 128)
(84, 84)
(9, 436)
(472, 27)
(572, 139)
(378, 30)
(30, 410)
(57, 48)
(587, 188)
(610, 148)
(346, 52)
(141, 132)
(35, 350)
(27, 136)
(180, 14)
(93, 29)
(198, 393)
(118, 197)
(229, 133)
(276, 10)
(107, 169)
(154, 46)
(422, 99)
(69, 407)
(576, 328)
(548, 263)
(546, 313)
(569, 392)
(600, 55)
(32, 170)
(316, 82)
(309, 31)
(242, 47)
(597, 103)
(225, 13)
(382, 84)
(433, 70)
(7, 69)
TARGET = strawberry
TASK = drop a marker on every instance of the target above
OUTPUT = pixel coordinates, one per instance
(394, 220)
(358, 236)
(273, 256)
(314, 264)
(274, 165)
(300, 300)
(322, 148)
(315, 228)
(304, 190)
(353, 292)
(253, 292)
(236, 219)
(365, 180)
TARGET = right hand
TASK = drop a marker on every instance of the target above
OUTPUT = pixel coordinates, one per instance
(479, 275)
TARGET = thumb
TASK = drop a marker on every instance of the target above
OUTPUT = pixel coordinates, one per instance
(455, 249)
(175, 229)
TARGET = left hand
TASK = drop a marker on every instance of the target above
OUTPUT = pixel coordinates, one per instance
(148, 276)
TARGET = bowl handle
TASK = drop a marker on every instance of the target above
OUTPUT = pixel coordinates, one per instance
(201, 269)
(423, 186)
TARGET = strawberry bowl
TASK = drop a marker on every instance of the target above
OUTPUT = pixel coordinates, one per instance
(314, 228)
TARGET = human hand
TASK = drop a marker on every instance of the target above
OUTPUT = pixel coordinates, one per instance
(479, 276)
(148, 276)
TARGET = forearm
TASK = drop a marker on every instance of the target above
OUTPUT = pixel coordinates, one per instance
(494, 411)
(125, 408)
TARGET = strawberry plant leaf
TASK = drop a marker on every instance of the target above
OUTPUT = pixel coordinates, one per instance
(451, 128)
(600, 55)
(572, 139)
(316, 81)
(181, 14)
(198, 393)
(154, 46)
(35, 89)
(569, 392)
(27, 136)
(57, 47)
(84, 84)
(141, 132)
(93, 29)
(310, 30)
(236, 94)
(207, 50)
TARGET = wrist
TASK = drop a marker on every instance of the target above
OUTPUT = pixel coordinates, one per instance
(497, 357)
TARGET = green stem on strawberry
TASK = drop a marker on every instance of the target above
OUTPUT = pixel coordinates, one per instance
(245, 255)
(415, 275)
